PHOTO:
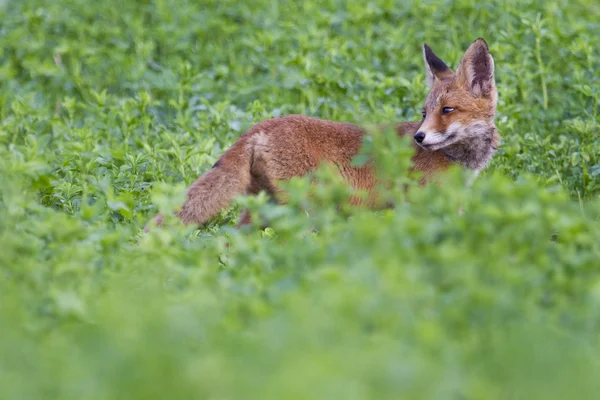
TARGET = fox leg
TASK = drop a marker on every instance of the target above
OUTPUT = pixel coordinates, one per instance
(260, 182)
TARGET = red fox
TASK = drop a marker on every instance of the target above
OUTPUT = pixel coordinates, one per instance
(457, 127)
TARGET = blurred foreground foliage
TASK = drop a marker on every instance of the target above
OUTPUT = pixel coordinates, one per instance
(109, 109)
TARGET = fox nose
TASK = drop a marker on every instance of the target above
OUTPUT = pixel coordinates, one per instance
(419, 137)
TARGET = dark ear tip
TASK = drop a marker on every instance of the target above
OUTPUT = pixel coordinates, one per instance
(481, 41)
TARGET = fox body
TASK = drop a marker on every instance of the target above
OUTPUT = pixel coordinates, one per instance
(457, 127)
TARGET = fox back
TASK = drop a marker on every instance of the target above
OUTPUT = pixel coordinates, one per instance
(457, 127)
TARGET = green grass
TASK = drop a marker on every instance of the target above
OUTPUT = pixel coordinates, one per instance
(108, 110)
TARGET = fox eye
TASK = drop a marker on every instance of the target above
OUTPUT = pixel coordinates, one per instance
(424, 114)
(447, 110)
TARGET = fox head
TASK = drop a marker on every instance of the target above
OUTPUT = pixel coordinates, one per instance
(458, 114)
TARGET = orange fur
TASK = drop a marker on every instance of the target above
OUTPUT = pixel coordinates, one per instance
(278, 149)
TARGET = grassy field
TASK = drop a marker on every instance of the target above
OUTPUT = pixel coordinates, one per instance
(108, 110)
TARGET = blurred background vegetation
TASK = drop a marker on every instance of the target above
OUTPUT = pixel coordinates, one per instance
(109, 109)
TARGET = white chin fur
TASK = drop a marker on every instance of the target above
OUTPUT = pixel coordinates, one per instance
(437, 140)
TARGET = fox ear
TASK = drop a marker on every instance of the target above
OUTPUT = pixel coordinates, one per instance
(476, 70)
(436, 68)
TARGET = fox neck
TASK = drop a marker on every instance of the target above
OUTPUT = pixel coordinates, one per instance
(475, 151)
